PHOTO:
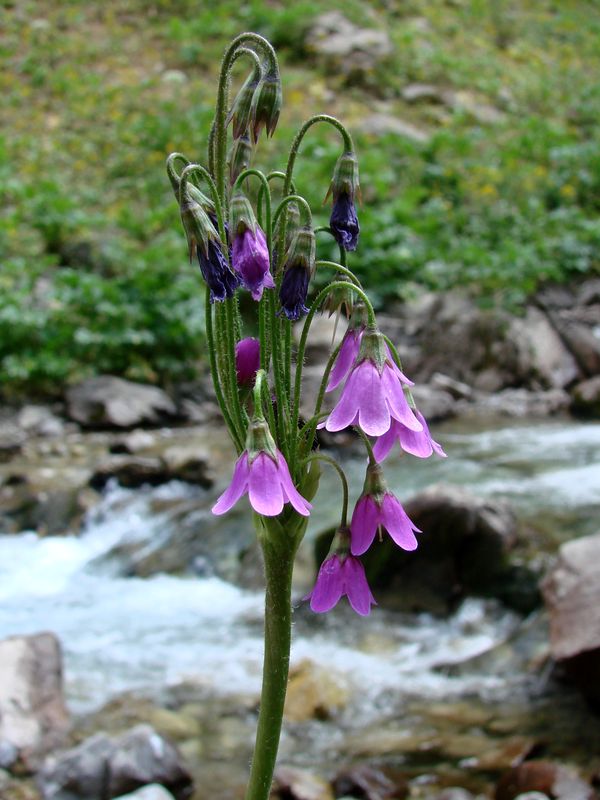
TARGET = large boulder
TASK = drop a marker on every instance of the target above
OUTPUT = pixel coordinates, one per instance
(464, 550)
(33, 715)
(108, 767)
(572, 594)
(109, 402)
(586, 397)
(345, 48)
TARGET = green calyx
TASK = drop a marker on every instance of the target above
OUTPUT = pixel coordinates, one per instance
(345, 177)
(266, 104)
(193, 191)
(340, 298)
(340, 546)
(240, 157)
(241, 215)
(259, 439)
(241, 109)
(199, 229)
(375, 484)
(301, 251)
(373, 347)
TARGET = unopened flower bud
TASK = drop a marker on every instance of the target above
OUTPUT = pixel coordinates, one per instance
(344, 187)
(298, 265)
(199, 229)
(345, 177)
(240, 157)
(247, 360)
(266, 105)
(241, 109)
(340, 298)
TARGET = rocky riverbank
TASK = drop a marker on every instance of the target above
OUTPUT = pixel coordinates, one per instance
(480, 713)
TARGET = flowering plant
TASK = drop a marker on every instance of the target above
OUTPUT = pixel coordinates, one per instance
(258, 381)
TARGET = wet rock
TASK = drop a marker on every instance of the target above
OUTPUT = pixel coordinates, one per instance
(370, 783)
(522, 403)
(109, 402)
(314, 693)
(133, 442)
(179, 462)
(33, 715)
(108, 767)
(40, 421)
(572, 594)
(541, 350)
(555, 780)
(291, 783)
(455, 793)
(532, 796)
(433, 402)
(12, 439)
(344, 47)
(457, 389)
(463, 550)
(586, 397)
(152, 792)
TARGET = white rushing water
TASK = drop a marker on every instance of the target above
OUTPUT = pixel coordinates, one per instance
(123, 633)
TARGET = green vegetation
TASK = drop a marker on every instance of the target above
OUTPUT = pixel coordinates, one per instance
(500, 194)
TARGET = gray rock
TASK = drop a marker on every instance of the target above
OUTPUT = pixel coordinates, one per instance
(104, 766)
(344, 47)
(9, 753)
(381, 124)
(572, 594)
(542, 352)
(586, 397)
(522, 403)
(418, 92)
(107, 401)
(152, 792)
(40, 421)
(457, 389)
(532, 796)
(33, 715)
(12, 438)
(434, 403)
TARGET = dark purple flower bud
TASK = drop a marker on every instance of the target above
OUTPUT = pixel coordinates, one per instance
(293, 291)
(250, 259)
(247, 360)
(344, 222)
(221, 281)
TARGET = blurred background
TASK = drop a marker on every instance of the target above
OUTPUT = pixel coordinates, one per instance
(477, 128)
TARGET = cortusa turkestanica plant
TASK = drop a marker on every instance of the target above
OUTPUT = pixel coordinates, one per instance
(247, 242)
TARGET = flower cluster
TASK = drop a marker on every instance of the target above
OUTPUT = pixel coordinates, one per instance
(244, 242)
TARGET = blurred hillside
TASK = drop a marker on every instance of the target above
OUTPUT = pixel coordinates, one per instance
(476, 124)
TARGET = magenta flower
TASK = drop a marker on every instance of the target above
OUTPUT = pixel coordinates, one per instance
(341, 575)
(417, 443)
(371, 399)
(378, 509)
(247, 360)
(250, 260)
(345, 358)
(267, 481)
(370, 515)
(373, 394)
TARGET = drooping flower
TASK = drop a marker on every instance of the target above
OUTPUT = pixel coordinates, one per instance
(417, 443)
(249, 251)
(215, 270)
(378, 509)
(298, 266)
(344, 187)
(262, 472)
(250, 258)
(341, 574)
(344, 222)
(247, 360)
(349, 349)
(373, 395)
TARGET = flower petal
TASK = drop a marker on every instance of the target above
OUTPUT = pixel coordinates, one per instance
(373, 413)
(396, 401)
(346, 410)
(237, 487)
(345, 358)
(329, 586)
(356, 587)
(290, 493)
(384, 444)
(363, 527)
(397, 523)
(264, 487)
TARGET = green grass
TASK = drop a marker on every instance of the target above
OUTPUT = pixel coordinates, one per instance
(94, 95)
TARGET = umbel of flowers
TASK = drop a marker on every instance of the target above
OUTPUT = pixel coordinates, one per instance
(254, 233)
